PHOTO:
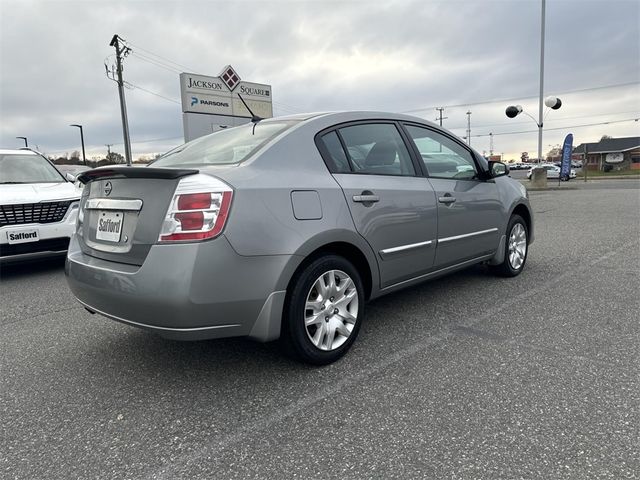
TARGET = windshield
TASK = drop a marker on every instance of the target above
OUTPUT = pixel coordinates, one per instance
(27, 169)
(228, 146)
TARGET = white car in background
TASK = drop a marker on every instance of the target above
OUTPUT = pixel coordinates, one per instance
(38, 206)
(553, 171)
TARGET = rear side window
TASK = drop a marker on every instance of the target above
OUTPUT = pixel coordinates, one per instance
(335, 153)
(377, 149)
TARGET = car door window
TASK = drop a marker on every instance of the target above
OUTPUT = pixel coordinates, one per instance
(377, 149)
(442, 156)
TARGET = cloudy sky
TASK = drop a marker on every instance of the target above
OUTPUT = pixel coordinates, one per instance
(400, 56)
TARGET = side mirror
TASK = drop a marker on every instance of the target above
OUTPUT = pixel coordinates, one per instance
(498, 169)
(71, 177)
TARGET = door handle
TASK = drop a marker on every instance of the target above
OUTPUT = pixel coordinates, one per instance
(366, 198)
(447, 198)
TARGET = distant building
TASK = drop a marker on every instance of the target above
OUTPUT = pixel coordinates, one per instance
(611, 154)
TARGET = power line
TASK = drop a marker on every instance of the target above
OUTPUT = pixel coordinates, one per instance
(498, 100)
(502, 124)
(164, 63)
(157, 140)
(166, 60)
(156, 63)
(129, 84)
(96, 147)
(559, 128)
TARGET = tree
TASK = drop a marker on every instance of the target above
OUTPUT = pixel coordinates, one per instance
(524, 157)
(554, 154)
(115, 157)
(605, 137)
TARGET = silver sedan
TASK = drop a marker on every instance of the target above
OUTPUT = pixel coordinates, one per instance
(286, 228)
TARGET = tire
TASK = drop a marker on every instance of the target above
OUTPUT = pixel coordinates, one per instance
(514, 258)
(332, 313)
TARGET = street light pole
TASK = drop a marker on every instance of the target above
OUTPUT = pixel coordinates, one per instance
(84, 158)
(540, 118)
(25, 141)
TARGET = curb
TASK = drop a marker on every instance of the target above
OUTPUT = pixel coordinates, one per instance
(617, 177)
(542, 189)
(575, 183)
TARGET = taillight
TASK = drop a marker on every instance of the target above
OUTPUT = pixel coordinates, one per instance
(80, 219)
(198, 210)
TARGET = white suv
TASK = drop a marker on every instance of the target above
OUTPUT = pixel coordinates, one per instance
(38, 206)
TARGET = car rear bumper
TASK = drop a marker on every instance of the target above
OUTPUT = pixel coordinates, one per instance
(186, 291)
(53, 239)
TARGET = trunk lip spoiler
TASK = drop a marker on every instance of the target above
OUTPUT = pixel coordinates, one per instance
(134, 172)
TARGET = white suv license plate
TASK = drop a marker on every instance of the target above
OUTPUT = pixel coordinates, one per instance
(22, 236)
(109, 227)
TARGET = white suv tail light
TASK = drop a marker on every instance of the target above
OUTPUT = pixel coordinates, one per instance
(198, 209)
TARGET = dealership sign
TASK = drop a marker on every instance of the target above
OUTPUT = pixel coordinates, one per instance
(614, 158)
(221, 95)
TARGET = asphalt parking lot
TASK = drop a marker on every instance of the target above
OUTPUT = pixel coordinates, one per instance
(469, 376)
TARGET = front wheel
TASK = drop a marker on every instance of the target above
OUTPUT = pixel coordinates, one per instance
(324, 310)
(516, 249)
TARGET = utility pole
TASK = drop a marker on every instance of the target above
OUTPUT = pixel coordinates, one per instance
(108, 145)
(584, 162)
(490, 143)
(121, 52)
(469, 127)
(440, 110)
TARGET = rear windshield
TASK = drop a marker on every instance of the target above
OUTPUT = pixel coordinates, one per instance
(233, 145)
(27, 169)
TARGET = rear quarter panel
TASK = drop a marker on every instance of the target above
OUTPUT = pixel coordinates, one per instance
(262, 220)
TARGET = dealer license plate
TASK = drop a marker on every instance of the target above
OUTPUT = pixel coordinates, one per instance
(23, 236)
(109, 227)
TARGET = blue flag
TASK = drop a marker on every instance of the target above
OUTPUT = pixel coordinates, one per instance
(567, 147)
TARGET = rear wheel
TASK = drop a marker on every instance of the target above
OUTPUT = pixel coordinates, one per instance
(324, 310)
(516, 249)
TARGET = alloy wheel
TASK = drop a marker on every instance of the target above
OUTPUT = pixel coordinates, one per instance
(517, 246)
(331, 310)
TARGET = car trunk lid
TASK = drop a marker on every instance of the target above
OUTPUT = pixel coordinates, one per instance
(122, 210)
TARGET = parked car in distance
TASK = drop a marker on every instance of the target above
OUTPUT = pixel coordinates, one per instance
(285, 228)
(553, 171)
(38, 206)
(519, 166)
(72, 170)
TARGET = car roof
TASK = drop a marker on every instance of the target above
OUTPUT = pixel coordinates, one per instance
(12, 151)
(348, 116)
